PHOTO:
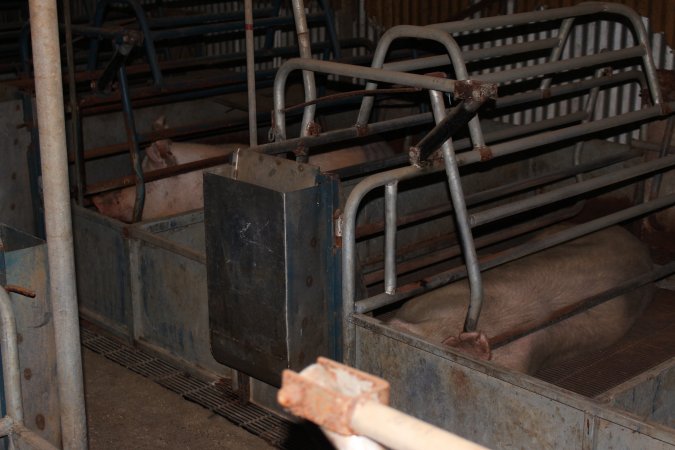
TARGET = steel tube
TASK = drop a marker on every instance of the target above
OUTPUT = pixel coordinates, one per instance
(411, 31)
(63, 295)
(349, 246)
(341, 69)
(459, 206)
(399, 431)
(390, 212)
(10, 358)
(500, 212)
(308, 80)
(250, 73)
(553, 137)
(556, 54)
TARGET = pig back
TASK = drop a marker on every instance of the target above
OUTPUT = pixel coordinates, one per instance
(524, 292)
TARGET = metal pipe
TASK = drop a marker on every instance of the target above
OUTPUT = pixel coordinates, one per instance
(400, 431)
(390, 213)
(49, 98)
(553, 137)
(411, 31)
(556, 54)
(10, 358)
(308, 81)
(341, 69)
(250, 73)
(459, 205)
(546, 198)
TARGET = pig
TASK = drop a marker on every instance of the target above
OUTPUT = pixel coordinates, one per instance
(167, 196)
(525, 291)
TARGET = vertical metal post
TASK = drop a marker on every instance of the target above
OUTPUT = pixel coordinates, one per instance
(459, 205)
(250, 73)
(390, 197)
(51, 119)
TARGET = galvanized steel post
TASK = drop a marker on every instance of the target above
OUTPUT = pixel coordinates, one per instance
(51, 120)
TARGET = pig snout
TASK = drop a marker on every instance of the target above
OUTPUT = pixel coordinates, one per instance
(167, 196)
(525, 292)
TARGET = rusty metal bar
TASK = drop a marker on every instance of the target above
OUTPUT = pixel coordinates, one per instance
(59, 230)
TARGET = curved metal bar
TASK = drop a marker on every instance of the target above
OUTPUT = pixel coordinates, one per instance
(99, 16)
(134, 148)
(461, 216)
(349, 244)
(418, 32)
(368, 73)
(308, 81)
(582, 9)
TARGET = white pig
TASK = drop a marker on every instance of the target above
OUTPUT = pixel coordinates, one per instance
(167, 196)
(527, 290)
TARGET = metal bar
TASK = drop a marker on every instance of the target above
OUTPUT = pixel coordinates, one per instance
(580, 62)
(390, 212)
(546, 198)
(570, 88)
(10, 358)
(134, 148)
(445, 128)
(454, 53)
(583, 9)
(663, 151)
(176, 21)
(335, 68)
(308, 81)
(75, 148)
(148, 43)
(429, 62)
(556, 54)
(553, 137)
(459, 205)
(63, 295)
(535, 245)
(250, 73)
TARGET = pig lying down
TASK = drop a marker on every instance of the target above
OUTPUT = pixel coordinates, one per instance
(527, 290)
(167, 196)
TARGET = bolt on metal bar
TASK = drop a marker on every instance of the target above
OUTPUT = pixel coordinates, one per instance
(390, 212)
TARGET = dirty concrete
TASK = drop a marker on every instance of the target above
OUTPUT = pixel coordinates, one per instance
(126, 410)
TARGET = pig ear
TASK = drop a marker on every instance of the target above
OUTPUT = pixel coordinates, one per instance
(160, 123)
(474, 343)
(158, 150)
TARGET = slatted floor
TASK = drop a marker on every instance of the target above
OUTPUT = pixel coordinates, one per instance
(215, 395)
(650, 342)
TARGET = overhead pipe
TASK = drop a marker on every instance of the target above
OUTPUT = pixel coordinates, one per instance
(59, 231)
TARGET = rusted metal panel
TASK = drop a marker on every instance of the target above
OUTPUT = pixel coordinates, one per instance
(489, 405)
(23, 263)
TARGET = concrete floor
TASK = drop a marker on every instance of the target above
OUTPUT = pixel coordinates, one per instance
(126, 410)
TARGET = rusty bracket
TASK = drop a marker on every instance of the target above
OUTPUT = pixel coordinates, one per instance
(456, 118)
(20, 290)
(327, 393)
(479, 91)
